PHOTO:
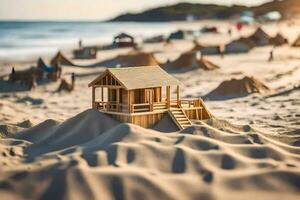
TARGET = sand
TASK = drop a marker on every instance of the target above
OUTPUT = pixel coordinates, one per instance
(189, 60)
(134, 58)
(54, 146)
(124, 161)
(235, 88)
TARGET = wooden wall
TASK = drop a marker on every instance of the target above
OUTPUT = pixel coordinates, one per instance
(146, 120)
(139, 95)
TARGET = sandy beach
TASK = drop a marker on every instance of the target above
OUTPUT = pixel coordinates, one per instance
(54, 146)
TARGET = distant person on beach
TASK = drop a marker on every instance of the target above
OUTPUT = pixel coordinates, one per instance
(80, 43)
(239, 26)
(271, 55)
(229, 31)
(12, 74)
(73, 79)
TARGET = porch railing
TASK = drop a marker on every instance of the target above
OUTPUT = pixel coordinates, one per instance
(110, 106)
(147, 107)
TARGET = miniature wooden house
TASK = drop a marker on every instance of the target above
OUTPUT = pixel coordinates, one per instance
(142, 95)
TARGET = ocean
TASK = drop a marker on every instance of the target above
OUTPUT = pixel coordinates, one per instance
(20, 41)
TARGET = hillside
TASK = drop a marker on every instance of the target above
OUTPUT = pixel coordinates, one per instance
(179, 12)
(288, 8)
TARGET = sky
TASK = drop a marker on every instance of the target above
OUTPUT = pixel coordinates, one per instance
(89, 9)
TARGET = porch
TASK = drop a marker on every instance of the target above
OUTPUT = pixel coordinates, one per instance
(114, 106)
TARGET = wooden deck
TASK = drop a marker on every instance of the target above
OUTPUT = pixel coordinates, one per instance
(148, 114)
(147, 107)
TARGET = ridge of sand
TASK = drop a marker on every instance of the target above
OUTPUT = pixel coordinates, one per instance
(238, 88)
(131, 59)
(124, 161)
(79, 129)
(189, 60)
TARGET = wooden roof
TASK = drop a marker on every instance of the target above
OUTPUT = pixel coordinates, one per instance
(123, 35)
(139, 77)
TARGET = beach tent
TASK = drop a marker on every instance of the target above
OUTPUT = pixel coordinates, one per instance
(271, 16)
(209, 29)
(237, 88)
(134, 58)
(242, 45)
(190, 60)
(260, 37)
(297, 42)
(123, 40)
(278, 40)
(51, 72)
(246, 20)
(45, 68)
(178, 35)
(246, 17)
(60, 59)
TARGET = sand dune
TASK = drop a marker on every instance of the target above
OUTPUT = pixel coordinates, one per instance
(83, 158)
(189, 60)
(237, 88)
(134, 58)
(49, 136)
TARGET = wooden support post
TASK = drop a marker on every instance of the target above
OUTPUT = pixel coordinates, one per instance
(109, 99)
(197, 114)
(151, 103)
(160, 94)
(129, 101)
(118, 99)
(178, 96)
(201, 115)
(168, 96)
(93, 97)
(102, 95)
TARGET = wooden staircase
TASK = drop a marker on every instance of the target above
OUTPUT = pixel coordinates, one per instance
(180, 118)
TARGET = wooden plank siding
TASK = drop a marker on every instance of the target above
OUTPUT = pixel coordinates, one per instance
(146, 120)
